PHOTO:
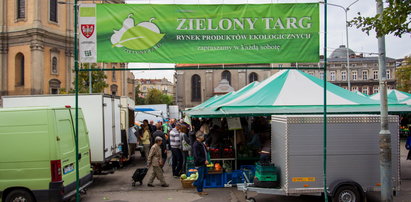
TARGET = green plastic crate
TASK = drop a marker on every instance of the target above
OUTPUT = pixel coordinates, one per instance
(264, 169)
(264, 177)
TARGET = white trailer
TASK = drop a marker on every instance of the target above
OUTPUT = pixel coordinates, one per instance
(352, 156)
(102, 116)
(174, 112)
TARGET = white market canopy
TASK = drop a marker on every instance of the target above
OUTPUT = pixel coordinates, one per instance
(292, 92)
(394, 96)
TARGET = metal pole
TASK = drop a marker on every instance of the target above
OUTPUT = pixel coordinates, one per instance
(385, 135)
(76, 69)
(348, 48)
(90, 83)
(325, 105)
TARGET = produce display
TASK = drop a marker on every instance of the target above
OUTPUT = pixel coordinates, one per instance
(191, 177)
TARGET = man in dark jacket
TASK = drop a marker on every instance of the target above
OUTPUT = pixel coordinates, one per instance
(200, 161)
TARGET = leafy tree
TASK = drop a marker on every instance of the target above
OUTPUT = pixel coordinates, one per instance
(167, 99)
(395, 19)
(403, 75)
(98, 81)
(155, 96)
(138, 98)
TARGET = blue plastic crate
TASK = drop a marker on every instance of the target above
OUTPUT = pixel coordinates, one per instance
(235, 177)
(249, 170)
(214, 180)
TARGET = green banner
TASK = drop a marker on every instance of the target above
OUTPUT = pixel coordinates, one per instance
(203, 34)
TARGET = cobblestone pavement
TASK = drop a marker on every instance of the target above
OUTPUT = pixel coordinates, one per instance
(117, 188)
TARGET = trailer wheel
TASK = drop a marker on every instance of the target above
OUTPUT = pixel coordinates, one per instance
(19, 195)
(347, 193)
(251, 199)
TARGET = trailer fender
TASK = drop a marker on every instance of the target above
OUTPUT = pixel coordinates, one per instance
(344, 182)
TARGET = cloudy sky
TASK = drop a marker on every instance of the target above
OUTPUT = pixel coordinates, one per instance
(359, 41)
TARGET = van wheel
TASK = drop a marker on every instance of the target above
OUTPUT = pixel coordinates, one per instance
(347, 194)
(19, 195)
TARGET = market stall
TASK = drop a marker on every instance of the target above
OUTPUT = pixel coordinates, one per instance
(240, 121)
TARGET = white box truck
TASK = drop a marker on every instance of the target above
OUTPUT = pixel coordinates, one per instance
(352, 156)
(102, 116)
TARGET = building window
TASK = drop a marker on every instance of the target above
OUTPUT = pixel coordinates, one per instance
(375, 74)
(21, 9)
(53, 10)
(227, 76)
(364, 75)
(354, 88)
(332, 76)
(388, 74)
(19, 70)
(280, 65)
(375, 89)
(113, 74)
(144, 88)
(354, 75)
(252, 77)
(344, 75)
(365, 90)
(195, 88)
(54, 65)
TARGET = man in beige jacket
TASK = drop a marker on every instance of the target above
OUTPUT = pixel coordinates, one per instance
(155, 160)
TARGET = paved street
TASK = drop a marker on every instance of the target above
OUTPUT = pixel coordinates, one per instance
(117, 188)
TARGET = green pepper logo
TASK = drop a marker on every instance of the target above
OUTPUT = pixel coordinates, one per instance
(140, 37)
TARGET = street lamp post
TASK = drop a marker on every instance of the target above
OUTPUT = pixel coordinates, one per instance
(346, 35)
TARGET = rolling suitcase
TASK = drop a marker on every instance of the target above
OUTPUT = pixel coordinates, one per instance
(139, 175)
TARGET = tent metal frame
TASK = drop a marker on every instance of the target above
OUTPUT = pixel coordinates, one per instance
(77, 70)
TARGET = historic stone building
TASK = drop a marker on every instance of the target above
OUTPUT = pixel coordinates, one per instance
(164, 85)
(363, 71)
(195, 86)
(36, 49)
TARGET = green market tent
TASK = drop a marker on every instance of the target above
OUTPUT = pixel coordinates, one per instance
(359, 93)
(394, 96)
(207, 102)
(292, 92)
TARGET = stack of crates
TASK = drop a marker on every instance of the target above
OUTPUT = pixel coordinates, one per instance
(266, 172)
(189, 163)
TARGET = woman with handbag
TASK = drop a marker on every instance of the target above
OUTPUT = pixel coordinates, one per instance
(185, 145)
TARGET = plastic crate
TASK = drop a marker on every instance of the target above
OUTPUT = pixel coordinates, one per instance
(249, 170)
(262, 168)
(234, 177)
(265, 177)
(214, 180)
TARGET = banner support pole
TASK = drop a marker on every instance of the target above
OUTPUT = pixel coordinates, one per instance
(325, 105)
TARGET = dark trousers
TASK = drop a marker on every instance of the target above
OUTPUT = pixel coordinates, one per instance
(199, 183)
(177, 161)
